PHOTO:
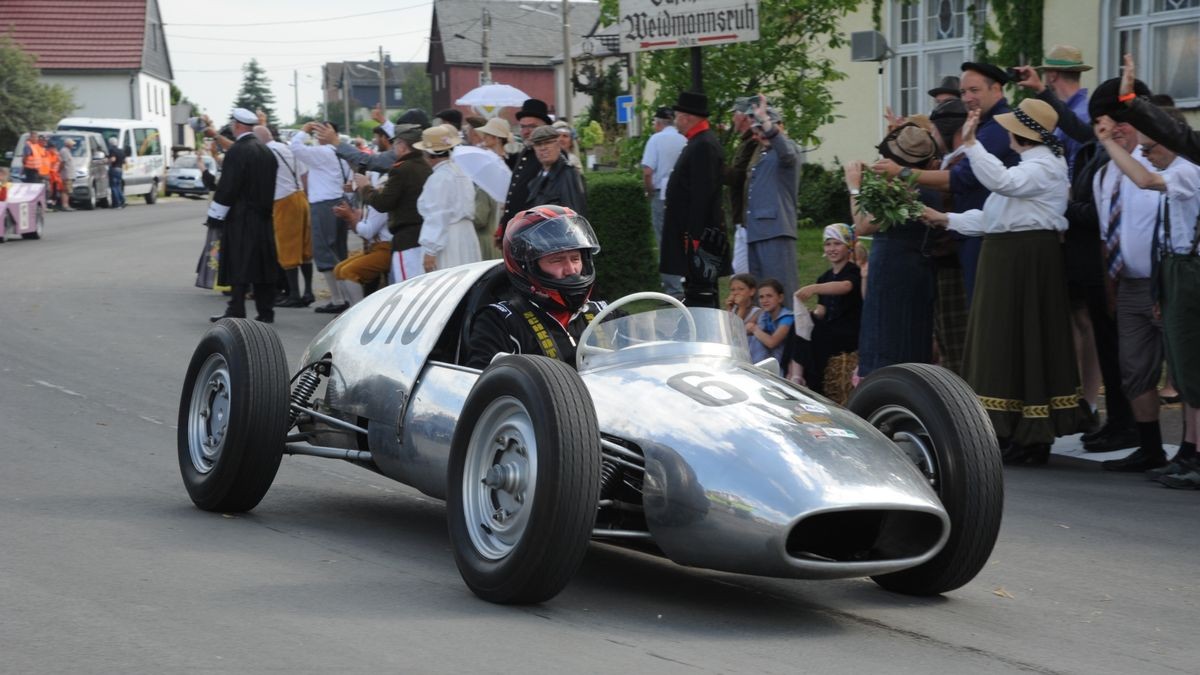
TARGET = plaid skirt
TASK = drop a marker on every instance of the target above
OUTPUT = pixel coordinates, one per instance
(1020, 356)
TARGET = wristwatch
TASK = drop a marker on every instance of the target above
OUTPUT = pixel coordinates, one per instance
(905, 173)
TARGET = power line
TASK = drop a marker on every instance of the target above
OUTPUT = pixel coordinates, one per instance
(280, 23)
(209, 38)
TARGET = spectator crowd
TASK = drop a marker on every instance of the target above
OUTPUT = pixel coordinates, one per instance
(1051, 249)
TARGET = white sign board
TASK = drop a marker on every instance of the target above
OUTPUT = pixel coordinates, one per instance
(670, 24)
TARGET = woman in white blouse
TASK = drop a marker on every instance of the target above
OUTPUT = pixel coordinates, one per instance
(1019, 358)
(447, 204)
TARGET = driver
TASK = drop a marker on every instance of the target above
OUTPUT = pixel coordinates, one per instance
(548, 254)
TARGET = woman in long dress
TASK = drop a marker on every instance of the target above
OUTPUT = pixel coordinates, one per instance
(446, 204)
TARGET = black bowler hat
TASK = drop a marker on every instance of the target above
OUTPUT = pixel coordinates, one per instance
(987, 70)
(949, 85)
(533, 107)
(692, 103)
(414, 116)
(1104, 99)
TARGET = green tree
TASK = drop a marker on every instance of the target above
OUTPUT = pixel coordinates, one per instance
(256, 90)
(790, 63)
(418, 91)
(27, 104)
(177, 97)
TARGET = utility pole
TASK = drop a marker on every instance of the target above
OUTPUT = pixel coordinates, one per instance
(382, 83)
(296, 91)
(567, 66)
(346, 97)
(487, 29)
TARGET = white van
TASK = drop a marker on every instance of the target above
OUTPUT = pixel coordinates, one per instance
(145, 152)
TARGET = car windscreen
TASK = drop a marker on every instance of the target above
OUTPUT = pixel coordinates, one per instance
(187, 162)
(667, 332)
(81, 143)
(109, 134)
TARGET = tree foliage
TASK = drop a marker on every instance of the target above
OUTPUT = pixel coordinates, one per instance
(791, 63)
(255, 93)
(27, 104)
(418, 90)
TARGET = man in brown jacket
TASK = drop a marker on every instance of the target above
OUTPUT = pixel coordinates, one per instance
(398, 198)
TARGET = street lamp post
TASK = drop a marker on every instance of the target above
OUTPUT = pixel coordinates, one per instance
(567, 60)
(483, 46)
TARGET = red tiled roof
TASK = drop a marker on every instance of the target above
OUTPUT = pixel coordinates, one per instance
(78, 34)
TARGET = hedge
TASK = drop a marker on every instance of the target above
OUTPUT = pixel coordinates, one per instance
(618, 210)
(823, 198)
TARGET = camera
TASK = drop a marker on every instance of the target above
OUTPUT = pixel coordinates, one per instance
(197, 124)
(1013, 74)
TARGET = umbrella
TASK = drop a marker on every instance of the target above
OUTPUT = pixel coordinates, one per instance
(494, 96)
(485, 169)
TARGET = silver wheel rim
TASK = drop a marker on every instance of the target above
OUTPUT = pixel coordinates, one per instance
(499, 476)
(208, 414)
(908, 432)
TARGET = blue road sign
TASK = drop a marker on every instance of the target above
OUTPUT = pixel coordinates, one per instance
(624, 108)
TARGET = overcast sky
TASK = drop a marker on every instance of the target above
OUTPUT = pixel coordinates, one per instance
(210, 40)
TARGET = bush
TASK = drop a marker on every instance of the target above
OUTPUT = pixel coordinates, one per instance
(620, 214)
(823, 198)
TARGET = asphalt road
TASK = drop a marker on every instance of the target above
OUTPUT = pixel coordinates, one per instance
(105, 565)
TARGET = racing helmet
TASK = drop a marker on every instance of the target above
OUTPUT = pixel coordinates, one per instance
(540, 231)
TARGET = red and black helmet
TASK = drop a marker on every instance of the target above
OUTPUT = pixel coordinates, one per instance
(540, 231)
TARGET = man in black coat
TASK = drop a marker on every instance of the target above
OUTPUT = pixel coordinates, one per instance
(525, 167)
(242, 208)
(694, 243)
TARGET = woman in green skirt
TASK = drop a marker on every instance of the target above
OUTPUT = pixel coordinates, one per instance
(1019, 356)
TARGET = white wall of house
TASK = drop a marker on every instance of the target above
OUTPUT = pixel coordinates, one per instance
(856, 132)
(97, 95)
(154, 105)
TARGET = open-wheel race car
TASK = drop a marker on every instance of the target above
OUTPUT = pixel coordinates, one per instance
(666, 438)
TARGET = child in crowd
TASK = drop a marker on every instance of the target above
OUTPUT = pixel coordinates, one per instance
(827, 362)
(743, 291)
(769, 328)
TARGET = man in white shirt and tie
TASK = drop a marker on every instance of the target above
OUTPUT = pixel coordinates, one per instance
(327, 184)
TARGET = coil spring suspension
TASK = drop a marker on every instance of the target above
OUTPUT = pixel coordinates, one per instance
(608, 472)
(303, 391)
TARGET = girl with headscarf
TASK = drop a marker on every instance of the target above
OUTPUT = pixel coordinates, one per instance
(1019, 357)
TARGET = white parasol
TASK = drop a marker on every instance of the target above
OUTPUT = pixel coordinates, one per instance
(485, 169)
(494, 96)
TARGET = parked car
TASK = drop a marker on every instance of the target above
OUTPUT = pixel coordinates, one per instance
(184, 177)
(145, 153)
(89, 185)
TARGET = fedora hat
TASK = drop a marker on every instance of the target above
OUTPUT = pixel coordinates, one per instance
(438, 139)
(533, 107)
(1039, 112)
(910, 145)
(1064, 57)
(949, 85)
(692, 103)
(1104, 99)
(498, 127)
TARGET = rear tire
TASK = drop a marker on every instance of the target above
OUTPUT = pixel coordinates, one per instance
(233, 416)
(524, 480)
(934, 415)
(152, 195)
(89, 204)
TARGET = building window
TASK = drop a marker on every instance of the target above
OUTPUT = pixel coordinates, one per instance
(1164, 38)
(931, 39)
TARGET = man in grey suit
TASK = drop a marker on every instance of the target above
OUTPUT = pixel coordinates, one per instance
(771, 186)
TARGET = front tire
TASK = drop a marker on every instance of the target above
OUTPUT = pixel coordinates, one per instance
(89, 204)
(152, 195)
(39, 225)
(935, 417)
(233, 416)
(524, 480)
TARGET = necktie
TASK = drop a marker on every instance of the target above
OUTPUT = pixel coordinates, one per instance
(1113, 237)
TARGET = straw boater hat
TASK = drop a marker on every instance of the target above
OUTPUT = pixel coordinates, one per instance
(438, 139)
(497, 127)
(1033, 119)
(1064, 57)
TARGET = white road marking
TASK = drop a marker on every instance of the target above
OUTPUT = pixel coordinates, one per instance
(59, 388)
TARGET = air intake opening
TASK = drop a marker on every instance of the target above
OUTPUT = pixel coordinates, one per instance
(869, 535)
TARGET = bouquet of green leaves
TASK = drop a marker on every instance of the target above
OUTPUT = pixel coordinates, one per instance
(888, 202)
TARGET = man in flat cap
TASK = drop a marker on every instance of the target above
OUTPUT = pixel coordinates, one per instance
(525, 166)
(557, 182)
(658, 159)
(694, 242)
(735, 172)
(242, 209)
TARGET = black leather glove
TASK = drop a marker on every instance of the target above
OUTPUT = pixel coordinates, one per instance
(707, 255)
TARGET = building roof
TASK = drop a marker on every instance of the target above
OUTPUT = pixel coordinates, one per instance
(397, 71)
(518, 37)
(83, 34)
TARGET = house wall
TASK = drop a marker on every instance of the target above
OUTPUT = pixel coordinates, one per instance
(537, 83)
(97, 95)
(154, 105)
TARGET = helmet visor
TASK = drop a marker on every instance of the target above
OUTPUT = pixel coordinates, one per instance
(562, 233)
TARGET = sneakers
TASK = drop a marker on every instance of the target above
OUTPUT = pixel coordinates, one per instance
(1182, 481)
(1177, 465)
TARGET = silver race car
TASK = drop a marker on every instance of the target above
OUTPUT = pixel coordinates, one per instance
(665, 438)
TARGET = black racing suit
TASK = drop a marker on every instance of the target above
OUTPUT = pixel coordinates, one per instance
(521, 326)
